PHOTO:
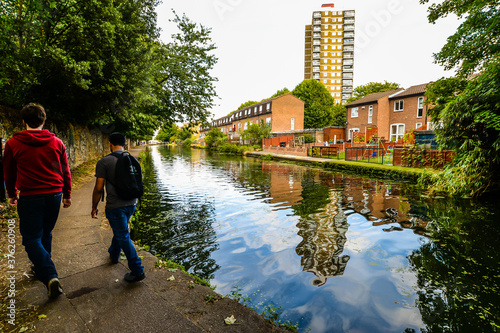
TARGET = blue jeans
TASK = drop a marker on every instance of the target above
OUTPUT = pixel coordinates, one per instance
(118, 220)
(37, 218)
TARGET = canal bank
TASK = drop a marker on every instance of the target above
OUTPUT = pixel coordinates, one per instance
(373, 170)
(97, 299)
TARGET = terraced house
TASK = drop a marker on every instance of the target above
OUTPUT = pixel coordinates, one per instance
(389, 114)
(282, 113)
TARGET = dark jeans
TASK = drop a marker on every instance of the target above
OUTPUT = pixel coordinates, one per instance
(118, 220)
(37, 217)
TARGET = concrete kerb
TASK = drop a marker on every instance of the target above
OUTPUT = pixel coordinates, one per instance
(97, 299)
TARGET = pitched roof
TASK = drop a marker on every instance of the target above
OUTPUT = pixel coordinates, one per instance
(419, 89)
(373, 97)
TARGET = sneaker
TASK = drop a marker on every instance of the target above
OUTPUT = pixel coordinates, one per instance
(54, 288)
(129, 277)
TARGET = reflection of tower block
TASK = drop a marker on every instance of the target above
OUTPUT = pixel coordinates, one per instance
(324, 240)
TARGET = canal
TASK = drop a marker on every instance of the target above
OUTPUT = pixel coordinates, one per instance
(333, 252)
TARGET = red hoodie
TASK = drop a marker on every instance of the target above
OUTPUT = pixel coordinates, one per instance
(35, 162)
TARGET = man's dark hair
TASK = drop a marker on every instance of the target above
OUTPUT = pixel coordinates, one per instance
(117, 139)
(33, 115)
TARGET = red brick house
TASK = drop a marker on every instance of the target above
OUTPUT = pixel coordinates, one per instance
(389, 114)
(282, 113)
(365, 114)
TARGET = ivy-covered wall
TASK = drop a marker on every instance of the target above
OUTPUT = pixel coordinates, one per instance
(82, 144)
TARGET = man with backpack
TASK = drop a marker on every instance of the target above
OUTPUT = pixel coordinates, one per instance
(121, 174)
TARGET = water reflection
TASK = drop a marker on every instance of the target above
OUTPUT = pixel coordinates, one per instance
(338, 253)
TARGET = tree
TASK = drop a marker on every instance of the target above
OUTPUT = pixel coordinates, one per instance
(184, 87)
(281, 92)
(371, 88)
(467, 109)
(256, 132)
(215, 138)
(318, 104)
(166, 132)
(101, 62)
(102, 78)
(470, 118)
(477, 40)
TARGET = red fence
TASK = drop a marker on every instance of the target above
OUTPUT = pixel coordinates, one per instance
(422, 158)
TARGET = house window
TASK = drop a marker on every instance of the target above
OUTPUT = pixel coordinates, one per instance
(292, 124)
(418, 125)
(399, 105)
(268, 106)
(397, 132)
(354, 112)
(239, 126)
(352, 130)
(260, 108)
(246, 126)
(370, 114)
(268, 121)
(420, 110)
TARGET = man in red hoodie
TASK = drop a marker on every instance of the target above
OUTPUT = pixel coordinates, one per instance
(36, 168)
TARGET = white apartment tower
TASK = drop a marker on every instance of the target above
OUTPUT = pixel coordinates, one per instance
(329, 51)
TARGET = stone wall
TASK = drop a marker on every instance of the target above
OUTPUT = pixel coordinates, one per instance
(82, 143)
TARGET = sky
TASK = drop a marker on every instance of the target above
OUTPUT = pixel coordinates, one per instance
(260, 43)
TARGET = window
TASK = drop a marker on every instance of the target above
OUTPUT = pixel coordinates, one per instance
(420, 110)
(370, 114)
(352, 130)
(246, 126)
(354, 112)
(397, 132)
(292, 124)
(268, 106)
(418, 125)
(399, 105)
(268, 121)
(260, 108)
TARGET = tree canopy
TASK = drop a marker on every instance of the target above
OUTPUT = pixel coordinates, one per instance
(319, 105)
(101, 62)
(371, 88)
(477, 40)
(466, 108)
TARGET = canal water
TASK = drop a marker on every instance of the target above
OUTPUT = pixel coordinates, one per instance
(331, 252)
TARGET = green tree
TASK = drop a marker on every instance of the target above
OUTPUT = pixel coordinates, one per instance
(101, 62)
(256, 132)
(467, 108)
(215, 138)
(83, 60)
(371, 88)
(166, 132)
(477, 40)
(469, 118)
(281, 92)
(183, 84)
(318, 104)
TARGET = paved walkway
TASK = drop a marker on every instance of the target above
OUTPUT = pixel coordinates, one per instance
(97, 299)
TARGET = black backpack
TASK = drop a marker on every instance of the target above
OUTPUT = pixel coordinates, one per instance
(128, 176)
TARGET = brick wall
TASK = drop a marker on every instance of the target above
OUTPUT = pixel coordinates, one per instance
(409, 114)
(284, 109)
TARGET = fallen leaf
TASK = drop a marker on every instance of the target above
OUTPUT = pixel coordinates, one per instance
(230, 320)
(172, 270)
(42, 316)
(171, 278)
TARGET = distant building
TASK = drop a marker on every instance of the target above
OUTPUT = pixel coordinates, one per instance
(282, 113)
(329, 51)
(389, 114)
